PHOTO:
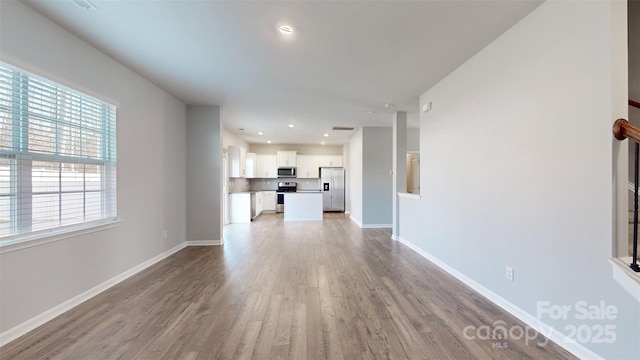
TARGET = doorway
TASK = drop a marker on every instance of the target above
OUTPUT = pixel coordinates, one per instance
(413, 173)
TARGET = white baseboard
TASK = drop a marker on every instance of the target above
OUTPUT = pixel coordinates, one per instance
(376, 226)
(347, 212)
(356, 221)
(205, 242)
(559, 338)
(394, 237)
(48, 315)
(369, 226)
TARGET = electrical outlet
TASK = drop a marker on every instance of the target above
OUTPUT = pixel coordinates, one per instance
(414, 229)
(165, 234)
(509, 273)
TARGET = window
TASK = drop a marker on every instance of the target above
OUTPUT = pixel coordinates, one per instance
(57, 156)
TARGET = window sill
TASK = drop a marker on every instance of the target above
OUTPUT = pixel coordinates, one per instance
(625, 277)
(409, 196)
(56, 234)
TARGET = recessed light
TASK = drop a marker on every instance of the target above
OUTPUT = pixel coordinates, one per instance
(286, 29)
(260, 133)
(326, 135)
(322, 142)
(291, 125)
(268, 141)
(371, 112)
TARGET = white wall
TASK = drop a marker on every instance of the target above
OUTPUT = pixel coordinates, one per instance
(204, 174)
(413, 139)
(302, 149)
(231, 139)
(346, 162)
(634, 77)
(355, 177)
(634, 50)
(370, 184)
(377, 182)
(517, 169)
(151, 142)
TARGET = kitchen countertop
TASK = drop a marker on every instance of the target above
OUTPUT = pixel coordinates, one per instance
(309, 191)
(251, 191)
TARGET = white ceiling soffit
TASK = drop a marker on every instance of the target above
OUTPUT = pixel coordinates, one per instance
(343, 63)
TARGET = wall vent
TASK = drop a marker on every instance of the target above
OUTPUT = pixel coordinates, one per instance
(343, 128)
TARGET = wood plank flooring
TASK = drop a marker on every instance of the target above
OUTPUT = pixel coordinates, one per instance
(275, 290)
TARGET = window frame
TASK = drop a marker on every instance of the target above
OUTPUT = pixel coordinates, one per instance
(22, 158)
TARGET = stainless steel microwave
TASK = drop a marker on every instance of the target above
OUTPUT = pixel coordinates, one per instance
(286, 172)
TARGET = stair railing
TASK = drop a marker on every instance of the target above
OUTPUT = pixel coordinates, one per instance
(623, 130)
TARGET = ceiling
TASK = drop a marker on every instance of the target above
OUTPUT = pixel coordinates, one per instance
(343, 63)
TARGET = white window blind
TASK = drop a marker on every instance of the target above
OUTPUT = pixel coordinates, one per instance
(57, 155)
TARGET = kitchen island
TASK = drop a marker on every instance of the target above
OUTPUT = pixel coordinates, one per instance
(303, 206)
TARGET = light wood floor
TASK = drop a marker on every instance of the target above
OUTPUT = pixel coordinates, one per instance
(275, 290)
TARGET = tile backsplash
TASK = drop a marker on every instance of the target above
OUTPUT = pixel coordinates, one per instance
(238, 185)
(263, 184)
(272, 184)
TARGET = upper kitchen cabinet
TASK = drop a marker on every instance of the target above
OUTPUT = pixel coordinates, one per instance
(237, 161)
(287, 158)
(251, 166)
(331, 161)
(266, 166)
(308, 166)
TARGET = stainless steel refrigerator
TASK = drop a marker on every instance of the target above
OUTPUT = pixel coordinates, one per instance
(332, 180)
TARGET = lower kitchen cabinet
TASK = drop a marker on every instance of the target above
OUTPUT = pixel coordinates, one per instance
(240, 207)
(268, 201)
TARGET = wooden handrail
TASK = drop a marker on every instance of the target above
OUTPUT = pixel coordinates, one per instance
(622, 130)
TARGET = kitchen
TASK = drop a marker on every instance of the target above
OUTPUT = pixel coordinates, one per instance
(299, 181)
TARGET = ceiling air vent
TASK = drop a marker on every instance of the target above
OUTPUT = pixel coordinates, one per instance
(342, 128)
(85, 4)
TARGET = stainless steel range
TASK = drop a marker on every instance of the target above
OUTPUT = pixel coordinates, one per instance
(284, 187)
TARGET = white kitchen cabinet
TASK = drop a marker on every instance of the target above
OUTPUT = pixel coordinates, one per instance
(287, 158)
(266, 166)
(237, 161)
(268, 201)
(330, 161)
(240, 207)
(250, 166)
(308, 167)
(302, 206)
